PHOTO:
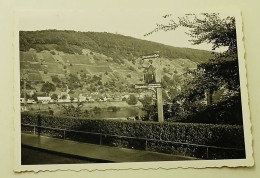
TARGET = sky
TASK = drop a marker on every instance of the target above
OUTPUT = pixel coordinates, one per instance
(128, 22)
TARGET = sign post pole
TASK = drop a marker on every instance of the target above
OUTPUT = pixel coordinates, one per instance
(157, 86)
(159, 92)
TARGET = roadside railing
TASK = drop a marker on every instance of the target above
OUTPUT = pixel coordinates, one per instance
(101, 136)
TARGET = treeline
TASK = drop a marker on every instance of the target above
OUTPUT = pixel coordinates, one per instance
(112, 45)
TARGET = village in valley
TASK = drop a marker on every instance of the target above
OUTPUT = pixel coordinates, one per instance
(52, 78)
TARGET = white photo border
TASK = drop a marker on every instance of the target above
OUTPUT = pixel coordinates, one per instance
(247, 162)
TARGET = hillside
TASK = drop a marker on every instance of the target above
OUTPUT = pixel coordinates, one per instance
(115, 46)
(108, 63)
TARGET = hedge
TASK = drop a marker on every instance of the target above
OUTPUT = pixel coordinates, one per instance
(188, 138)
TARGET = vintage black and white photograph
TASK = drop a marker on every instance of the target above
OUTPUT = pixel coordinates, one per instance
(131, 87)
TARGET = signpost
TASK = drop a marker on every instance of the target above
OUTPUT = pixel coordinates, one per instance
(147, 86)
(156, 87)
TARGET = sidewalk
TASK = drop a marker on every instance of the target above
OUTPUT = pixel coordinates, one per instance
(98, 152)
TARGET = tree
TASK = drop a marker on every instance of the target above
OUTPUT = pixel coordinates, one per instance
(72, 110)
(206, 28)
(132, 100)
(150, 108)
(55, 79)
(54, 96)
(47, 87)
(221, 71)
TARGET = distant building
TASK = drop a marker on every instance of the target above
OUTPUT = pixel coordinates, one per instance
(44, 99)
(31, 101)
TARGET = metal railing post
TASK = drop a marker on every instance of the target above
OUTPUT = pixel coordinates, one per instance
(100, 139)
(34, 129)
(207, 152)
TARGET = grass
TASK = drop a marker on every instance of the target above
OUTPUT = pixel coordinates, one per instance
(47, 57)
(34, 77)
(76, 59)
(26, 57)
(97, 69)
(54, 68)
(35, 66)
(78, 69)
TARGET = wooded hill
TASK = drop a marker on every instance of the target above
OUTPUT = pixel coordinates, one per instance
(115, 46)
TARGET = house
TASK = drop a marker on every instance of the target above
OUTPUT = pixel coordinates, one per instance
(22, 100)
(44, 99)
(31, 101)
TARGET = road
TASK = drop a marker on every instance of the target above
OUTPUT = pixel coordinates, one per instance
(34, 156)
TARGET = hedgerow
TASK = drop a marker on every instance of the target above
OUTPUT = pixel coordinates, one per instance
(187, 138)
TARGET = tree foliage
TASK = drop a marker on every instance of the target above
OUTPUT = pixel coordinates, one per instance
(54, 96)
(220, 72)
(47, 87)
(116, 46)
(150, 108)
(73, 110)
(205, 28)
(132, 100)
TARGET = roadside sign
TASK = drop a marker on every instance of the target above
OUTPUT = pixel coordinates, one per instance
(145, 86)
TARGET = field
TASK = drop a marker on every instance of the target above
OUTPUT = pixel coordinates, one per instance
(74, 69)
(26, 57)
(99, 69)
(76, 59)
(34, 77)
(53, 68)
(47, 57)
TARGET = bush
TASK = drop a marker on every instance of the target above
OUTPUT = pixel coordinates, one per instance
(192, 135)
(53, 52)
(132, 100)
(113, 108)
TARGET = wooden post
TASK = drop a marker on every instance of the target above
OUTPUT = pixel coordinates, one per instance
(159, 92)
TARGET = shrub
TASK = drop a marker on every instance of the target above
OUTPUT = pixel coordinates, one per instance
(192, 136)
(113, 108)
(132, 100)
(53, 52)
